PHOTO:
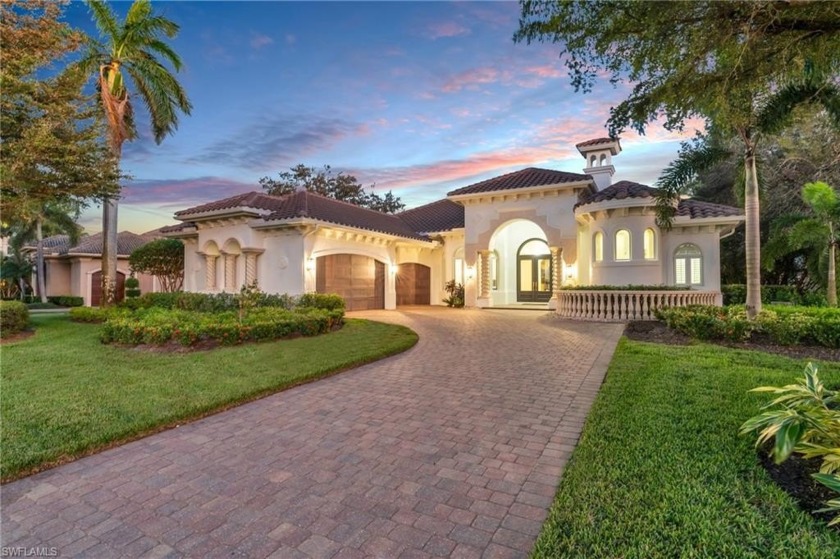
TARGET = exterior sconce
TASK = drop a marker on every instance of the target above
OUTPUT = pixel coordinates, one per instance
(395, 268)
(470, 272)
(310, 264)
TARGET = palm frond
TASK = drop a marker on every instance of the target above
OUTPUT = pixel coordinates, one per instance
(692, 159)
(139, 10)
(160, 92)
(104, 18)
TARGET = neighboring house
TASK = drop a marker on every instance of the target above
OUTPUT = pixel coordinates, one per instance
(515, 240)
(77, 270)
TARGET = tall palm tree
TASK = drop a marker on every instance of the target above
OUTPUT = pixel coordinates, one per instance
(52, 218)
(767, 118)
(130, 59)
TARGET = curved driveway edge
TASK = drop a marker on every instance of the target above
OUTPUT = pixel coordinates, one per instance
(451, 449)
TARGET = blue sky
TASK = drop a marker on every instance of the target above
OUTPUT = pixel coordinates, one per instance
(416, 97)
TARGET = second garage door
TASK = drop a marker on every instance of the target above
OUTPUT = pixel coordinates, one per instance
(414, 284)
(359, 279)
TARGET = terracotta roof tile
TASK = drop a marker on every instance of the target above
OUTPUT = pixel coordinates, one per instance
(256, 200)
(521, 179)
(619, 191)
(127, 242)
(697, 209)
(693, 209)
(443, 215)
(314, 206)
(175, 228)
(595, 142)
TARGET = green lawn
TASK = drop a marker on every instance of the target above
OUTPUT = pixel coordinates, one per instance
(661, 472)
(65, 394)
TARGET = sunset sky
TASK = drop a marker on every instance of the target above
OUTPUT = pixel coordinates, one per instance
(418, 98)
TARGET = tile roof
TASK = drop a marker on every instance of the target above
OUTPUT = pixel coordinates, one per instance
(256, 200)
(175, 228)
(692, 209)
(127, 242)
(521, 179)
(595, 142)
(443, 215)
(696, 209)
(310, 205)
(619, 191)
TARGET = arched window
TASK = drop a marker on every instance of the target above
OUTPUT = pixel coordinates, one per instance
(650, 244)
(688, 265)
(494, 270)
(458, 266)
(622, 245)
(592, 161)
(598, 248)
(603, 160)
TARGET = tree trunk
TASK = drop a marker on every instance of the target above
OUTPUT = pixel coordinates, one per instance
(832, 281)
(753, 234)
(41, 271)
(109, 252)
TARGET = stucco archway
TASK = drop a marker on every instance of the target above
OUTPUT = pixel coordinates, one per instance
(504, 246)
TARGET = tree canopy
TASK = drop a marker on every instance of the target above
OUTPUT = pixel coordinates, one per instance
(340, 186)
(162, 258)
(52, 139)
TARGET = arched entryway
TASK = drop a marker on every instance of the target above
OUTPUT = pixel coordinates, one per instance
(414, 284)
(360, 280)
(533, 272)
(96, 288)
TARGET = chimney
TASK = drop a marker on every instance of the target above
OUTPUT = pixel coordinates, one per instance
(598, 154)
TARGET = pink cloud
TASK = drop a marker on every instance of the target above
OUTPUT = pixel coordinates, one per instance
(545, 71)
(259, 41)
(473, 77)
(445, 29)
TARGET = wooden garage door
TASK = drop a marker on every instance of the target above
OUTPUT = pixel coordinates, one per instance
(96, 288)
(359, 279)
(414, 284)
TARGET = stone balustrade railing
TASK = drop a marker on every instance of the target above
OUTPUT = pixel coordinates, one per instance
(627, 305)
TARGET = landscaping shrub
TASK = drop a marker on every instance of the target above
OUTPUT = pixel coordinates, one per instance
(706, 322)
(804, 419)
(14, 317)
(66, 300)
(96, 314)
(132, 288)
(159, 326)
(326, 301)
(219, 302)
(736, 294)
(456, 294)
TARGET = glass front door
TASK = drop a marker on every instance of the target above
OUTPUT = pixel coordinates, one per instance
(534, 279)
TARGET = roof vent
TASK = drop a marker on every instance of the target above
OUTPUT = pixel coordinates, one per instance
(598, 154)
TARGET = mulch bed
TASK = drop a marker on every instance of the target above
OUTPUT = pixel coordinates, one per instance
(17, 337)
(794, 474)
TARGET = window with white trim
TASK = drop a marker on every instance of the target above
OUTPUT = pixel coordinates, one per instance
(688, 265)
(598, 242)
(650, 244)
(622, 245)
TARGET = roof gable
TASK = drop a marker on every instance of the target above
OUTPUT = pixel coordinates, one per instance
(526, 178)
(256, 200)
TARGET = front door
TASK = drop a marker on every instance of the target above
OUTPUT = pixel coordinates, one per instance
(533, 279)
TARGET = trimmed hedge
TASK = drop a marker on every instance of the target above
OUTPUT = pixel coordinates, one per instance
(158, 326)
(222, 302)
(96, 314)
(736, 294)
(14, 317)
(627, 288)
(783, 325)
(66, 300)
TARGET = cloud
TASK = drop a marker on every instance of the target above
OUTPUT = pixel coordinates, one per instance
(259, 41)
(274, 141)
(472, 78)
(178, 194)
(546, 71)
(445, 29)
(290, 39)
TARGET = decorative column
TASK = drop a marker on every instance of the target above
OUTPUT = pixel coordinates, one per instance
(210, 272)
(556, 275)
(250, 268)
(484, 288)
(230, 273)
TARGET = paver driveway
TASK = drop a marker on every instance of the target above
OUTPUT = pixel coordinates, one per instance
(452, 449)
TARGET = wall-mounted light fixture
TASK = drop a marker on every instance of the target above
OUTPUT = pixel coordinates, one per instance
(395, 268)
(470, 272)
(310, 264)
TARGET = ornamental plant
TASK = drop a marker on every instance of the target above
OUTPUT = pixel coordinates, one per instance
(456, 294)
(804, 418)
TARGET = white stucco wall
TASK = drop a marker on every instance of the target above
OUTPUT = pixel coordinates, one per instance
(637, 270)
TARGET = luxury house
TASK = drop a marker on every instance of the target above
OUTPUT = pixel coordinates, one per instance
(516, 239)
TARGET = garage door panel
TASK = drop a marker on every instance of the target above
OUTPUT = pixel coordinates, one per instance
(360, 280)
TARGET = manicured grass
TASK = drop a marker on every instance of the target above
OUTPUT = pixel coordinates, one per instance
(65, 394)
(661, 472)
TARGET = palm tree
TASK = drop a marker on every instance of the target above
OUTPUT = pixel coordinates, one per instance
(14, 271)
(812, 235)
(130, 55)
(767, 118)
(54, 218)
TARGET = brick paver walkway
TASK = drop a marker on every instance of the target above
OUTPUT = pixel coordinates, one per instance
(452, 449)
